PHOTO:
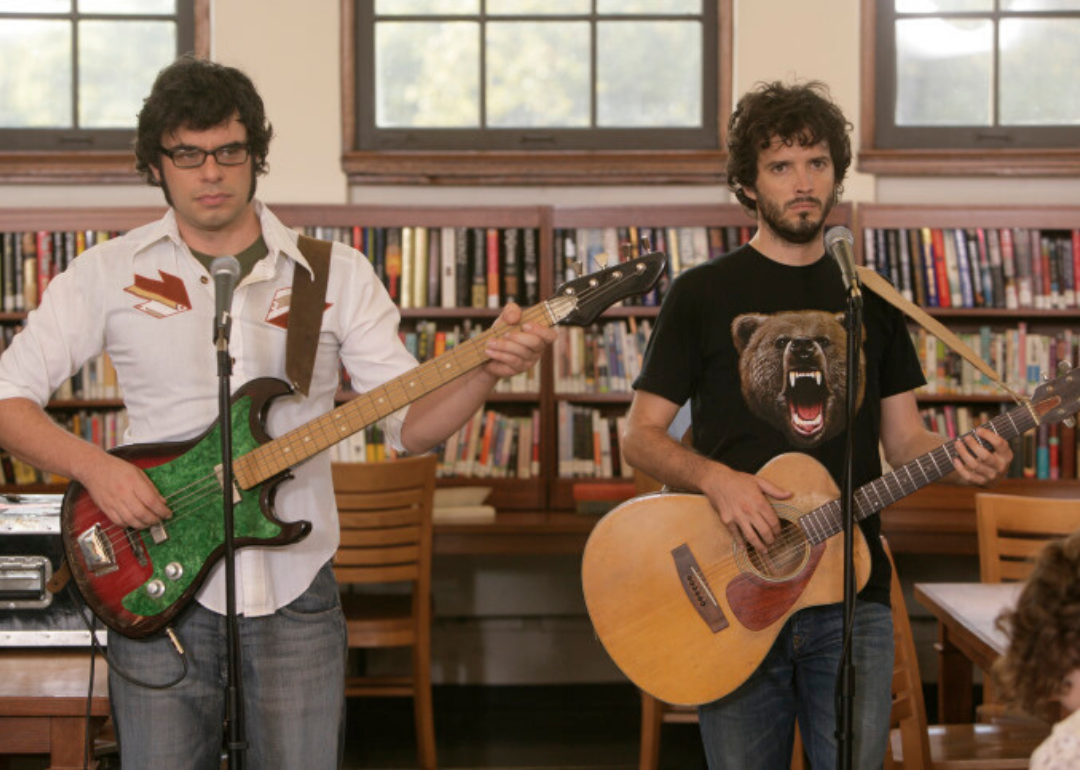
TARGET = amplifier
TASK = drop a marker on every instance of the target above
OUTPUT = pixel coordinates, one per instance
(30, 551)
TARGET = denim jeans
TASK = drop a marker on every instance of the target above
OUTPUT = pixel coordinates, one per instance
(754, 727)
(293, 668)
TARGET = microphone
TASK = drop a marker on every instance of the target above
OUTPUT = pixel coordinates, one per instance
(839, 242)
(226, 272)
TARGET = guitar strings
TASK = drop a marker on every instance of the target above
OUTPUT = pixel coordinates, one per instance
(192, 499)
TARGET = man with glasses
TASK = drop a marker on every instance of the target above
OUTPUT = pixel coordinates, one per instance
(146, 298)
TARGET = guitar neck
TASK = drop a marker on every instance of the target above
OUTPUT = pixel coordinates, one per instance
(826, 521)
(323, 432)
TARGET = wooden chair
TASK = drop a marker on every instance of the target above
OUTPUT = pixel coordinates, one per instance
(386, 531)
(1013, 529)
(915, 745)
(655, 713)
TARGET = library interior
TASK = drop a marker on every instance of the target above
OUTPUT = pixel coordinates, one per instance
(571, 157)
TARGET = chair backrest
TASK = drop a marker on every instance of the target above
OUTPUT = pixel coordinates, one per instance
(385, 513)
(1013, 529)
(909, 708)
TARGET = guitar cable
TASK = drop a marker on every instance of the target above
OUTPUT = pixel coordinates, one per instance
(96, 648)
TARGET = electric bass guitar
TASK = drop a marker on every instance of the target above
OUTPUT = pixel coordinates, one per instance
(137, 581)
(688, 612)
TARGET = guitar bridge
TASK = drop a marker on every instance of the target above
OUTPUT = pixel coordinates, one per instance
(697, 589)
(97, 551)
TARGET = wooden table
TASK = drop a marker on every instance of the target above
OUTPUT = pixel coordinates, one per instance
(43, 703)
(967, 636)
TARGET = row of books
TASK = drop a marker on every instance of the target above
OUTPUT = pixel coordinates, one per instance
(1020, 357)
(590, 443)
(493, 445)
(426, 341)
(105, 429)
(489, 445)
(979, 267)
(585, 250)
(602, 358)
(478, 267)
(96, 380)
(30, 259)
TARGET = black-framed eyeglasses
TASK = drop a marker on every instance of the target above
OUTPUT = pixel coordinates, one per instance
(232, 154)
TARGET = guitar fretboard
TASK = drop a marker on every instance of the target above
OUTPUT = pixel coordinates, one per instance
(323, 432)
(826, 521)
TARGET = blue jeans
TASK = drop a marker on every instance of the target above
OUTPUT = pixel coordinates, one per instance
(754, 727)
(293, 665)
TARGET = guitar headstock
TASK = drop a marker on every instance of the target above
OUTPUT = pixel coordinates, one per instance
(581, 301)
(1058, 399)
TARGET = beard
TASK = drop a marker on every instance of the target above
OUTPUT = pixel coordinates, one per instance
(805, 227)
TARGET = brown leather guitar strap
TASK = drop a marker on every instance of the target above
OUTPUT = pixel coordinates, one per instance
(306, 311)
(887, 292)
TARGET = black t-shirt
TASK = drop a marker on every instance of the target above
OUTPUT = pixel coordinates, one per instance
(758, 347)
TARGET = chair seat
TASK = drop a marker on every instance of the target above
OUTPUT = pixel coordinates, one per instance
(983, 746)
(379, 620)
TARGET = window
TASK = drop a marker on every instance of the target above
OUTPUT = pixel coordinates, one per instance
(974, 76)
(536, 77)
(74, 73)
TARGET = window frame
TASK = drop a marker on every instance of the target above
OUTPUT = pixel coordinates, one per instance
(90, 166)
(929, 160)
(504, 166)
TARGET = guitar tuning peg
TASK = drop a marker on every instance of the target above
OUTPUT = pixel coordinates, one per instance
(601, 259)
(579, 268)
(1070, 422)
(1063, 367)
(627, 251)
(645, 244)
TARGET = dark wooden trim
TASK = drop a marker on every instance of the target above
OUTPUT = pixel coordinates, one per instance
(585, 167)
(51, 167)
(968, 162)
(878, 215)
(579, 167)
(938, 162)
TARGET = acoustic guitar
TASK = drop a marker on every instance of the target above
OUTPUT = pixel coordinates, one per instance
(688, 612)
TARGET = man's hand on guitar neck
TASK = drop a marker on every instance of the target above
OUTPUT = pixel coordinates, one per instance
(122, 491)
(739, 500)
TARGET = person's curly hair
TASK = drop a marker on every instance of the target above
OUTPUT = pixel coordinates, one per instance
(802, 113)
(1044, 632)
(199, 94)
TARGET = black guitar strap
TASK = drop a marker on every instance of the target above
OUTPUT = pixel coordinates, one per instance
(306, 311)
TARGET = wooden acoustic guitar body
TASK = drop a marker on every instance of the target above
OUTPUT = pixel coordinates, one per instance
(687, 612)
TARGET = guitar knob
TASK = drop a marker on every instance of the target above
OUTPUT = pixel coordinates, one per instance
(1063, 367)
(174, 570)
(156, 589)
(1070, 422)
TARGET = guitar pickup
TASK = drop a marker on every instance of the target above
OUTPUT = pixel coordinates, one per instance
(97, 551)
(219, 473)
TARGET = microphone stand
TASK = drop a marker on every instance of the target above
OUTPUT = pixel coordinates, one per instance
(846, 674)
(234, 701)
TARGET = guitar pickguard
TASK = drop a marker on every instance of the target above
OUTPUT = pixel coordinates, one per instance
(758, 603)
(196, 529)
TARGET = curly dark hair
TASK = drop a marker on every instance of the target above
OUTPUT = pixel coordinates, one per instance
(1044, 632)
(199, 94)
(802, 113)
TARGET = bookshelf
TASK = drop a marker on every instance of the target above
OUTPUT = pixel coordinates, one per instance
(939, 518)
(536, 514)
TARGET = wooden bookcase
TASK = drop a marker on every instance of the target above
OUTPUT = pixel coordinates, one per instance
(535, 515)
(940, 518)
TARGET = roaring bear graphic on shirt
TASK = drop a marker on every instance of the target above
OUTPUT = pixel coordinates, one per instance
(793, 372)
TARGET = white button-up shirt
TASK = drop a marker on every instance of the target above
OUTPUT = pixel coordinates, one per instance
(149, 303)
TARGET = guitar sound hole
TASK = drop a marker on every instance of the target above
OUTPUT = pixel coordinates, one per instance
(785, 556)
